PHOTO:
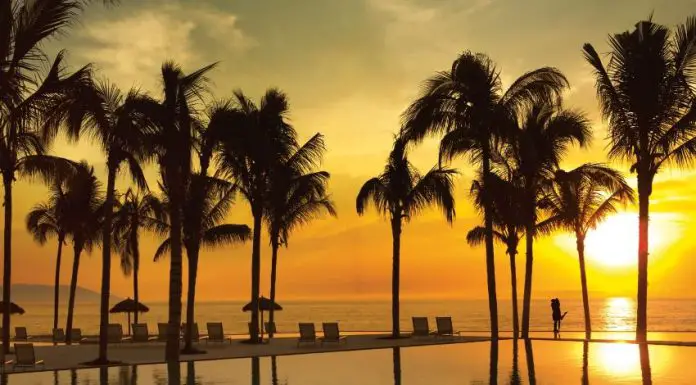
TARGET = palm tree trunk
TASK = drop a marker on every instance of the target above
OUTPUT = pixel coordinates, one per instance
(175, 266)
(191, 297)
(580, 241)
(56, 287)
(7, 263)
(490, 254)
(106, 265)
(643, 216)
(274, 271)
(513, 281)
(136, 269)
(529, 264)
(396, 268)
(77, 250)
(256, 274)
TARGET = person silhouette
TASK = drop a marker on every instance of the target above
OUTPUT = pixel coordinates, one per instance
(557, 316)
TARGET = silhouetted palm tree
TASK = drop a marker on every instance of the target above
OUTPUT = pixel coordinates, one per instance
(173, 143)
(468, 106)
(44, 221)
(545, 132)
(26, 98)
(259, 140)
(133, 214)
(84, 206)
(119, 126)
(399, 193)
(579, 200)
(214, 207)
(297, 196)
(646, 93)
(508, 227)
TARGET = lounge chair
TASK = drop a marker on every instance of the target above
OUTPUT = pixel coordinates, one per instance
(195, 334)
(270, 327)
(162, 331)
(216, 333)
(444, 327)
(58, 335)
(307, 334)
(115, 334)
(76, 335)
(331, 333)
(421, 327)
(21, 334)
(141, 334)
(25, 357)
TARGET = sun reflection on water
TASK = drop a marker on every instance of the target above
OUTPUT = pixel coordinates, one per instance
(619, 314)
(618, 359)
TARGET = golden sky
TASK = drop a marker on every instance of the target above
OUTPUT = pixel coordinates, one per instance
(350, 68)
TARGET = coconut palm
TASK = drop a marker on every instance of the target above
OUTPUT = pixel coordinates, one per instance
(467, 105)
(118, 125)
(508, 227)
(84, 208)
(259, 140)
(646, 93)
(135, 213)
(400, 193)
(545, 133)
(44, 221)
(297, 196)
(579, 200)
(207, 213)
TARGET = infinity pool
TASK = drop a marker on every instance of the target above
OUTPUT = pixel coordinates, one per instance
(507, 362)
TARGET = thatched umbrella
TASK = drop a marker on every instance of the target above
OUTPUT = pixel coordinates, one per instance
(264, 304)
(14, 308)
(129, 306)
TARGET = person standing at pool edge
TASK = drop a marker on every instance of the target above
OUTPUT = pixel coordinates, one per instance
(557, 316)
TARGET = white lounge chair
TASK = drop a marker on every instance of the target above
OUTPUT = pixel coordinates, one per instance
(58, 335)
(307, 334)
(195, 334)
(141, 334)
(76, 335)
(21, 334)
(421, 327)
(331, 333)
(115, 334)
(444, 327)
(270, 327)
(216, 333)
(25, 357)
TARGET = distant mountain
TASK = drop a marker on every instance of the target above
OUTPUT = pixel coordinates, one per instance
(26, 293)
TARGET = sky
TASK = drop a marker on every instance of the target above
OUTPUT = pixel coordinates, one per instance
(350, 68)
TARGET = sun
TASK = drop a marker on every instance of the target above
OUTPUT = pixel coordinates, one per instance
(615, 241)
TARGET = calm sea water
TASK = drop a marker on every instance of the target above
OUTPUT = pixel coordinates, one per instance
(612, 314)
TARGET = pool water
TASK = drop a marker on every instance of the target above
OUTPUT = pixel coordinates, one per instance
(505, 362)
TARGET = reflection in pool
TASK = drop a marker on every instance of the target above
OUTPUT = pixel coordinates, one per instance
(505, 362)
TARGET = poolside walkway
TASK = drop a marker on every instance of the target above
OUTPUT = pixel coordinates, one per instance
(69, 357)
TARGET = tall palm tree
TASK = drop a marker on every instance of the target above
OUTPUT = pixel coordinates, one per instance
(579, 200)
(135, 213)
(44, 221)
(467, 105)
(259, 140)
(297, 196)
(647, 95)
(207, 214)
(400, 193)
(545, 133)
(84, 205)
(173, 142)
(119, 126)
(508, 227)
(26, 97)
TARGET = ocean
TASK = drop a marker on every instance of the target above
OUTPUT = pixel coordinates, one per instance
(610, 314)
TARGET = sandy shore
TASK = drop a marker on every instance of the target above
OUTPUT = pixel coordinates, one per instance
(69, 357)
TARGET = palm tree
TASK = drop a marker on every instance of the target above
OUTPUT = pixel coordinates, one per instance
(545, 132)
(84, 208)
(508, 227)
(26, 98)
(119, 127)
(579, 200)
(646, 93)
(400, 193)
(173, 142)
(135, 213)
(468, 106)
(297, 196)
(259, 140)
(206, 213)
(44, 221)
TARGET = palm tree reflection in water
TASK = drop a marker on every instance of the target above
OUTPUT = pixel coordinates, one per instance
(493, 368)
(645, 364)
(255, 371)
(530, 361)
(515, 378)
(396, 358)
(585, 359)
